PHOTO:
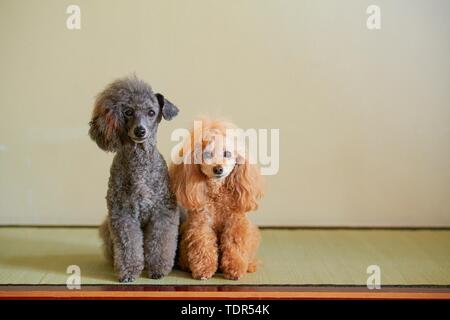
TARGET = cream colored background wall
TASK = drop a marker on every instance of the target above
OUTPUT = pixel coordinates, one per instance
(364, 116)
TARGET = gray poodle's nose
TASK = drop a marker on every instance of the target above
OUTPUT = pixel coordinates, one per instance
(139, 131)
(218, 170)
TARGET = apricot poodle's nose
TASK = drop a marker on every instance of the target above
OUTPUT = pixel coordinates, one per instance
(218, 170)
(139, 131)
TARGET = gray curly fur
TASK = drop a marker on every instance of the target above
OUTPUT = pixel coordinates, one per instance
(141, 228)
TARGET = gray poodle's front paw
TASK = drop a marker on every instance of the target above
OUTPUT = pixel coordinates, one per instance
(158, 271)
(130, 273)
(155, 275)
(126, 279)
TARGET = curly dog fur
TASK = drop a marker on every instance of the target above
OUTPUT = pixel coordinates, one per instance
(141, 228)
(218, 194)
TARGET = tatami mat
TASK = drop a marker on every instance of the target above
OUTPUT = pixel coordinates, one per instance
(289, 257)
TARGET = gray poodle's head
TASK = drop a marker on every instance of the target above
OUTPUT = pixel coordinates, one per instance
(128, 111)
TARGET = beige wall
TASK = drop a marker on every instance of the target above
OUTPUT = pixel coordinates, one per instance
(364, 116)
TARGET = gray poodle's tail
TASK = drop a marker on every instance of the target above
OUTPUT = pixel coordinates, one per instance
(104, 233)
(183, 214)
(183, 217)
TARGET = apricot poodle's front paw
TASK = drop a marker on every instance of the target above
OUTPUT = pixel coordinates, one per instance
(234, 274)
(205, 272)
(234, 269)
(202, 275)
(231, 276)
(204, 269)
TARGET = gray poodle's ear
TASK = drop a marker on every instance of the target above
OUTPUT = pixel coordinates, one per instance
(168, 109)
(106, 126)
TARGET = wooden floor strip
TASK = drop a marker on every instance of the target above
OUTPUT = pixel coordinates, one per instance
(222, 292)
(217, 295)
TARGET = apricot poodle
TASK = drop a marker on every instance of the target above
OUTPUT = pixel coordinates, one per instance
(215, 182)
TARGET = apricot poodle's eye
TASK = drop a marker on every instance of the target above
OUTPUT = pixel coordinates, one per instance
(227, 154)
(207, 155)
(152, 113)
(128, 112)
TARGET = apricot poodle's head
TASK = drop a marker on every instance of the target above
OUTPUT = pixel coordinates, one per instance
(219, 155)
(213, 152)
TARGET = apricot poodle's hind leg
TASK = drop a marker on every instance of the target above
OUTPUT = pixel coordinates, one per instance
(252, 266)
(255, 239)
(199, 242)
(239, 242)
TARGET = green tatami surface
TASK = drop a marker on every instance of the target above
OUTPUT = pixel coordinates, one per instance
(289, 257)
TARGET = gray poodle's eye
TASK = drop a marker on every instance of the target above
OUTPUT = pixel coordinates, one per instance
(227, 154)
(152, 113)
(128, 112)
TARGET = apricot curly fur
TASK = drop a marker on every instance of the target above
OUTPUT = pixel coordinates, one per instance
(217, 235)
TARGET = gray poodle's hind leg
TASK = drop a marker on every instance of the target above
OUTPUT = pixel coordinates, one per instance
(160, 242)
(105, 235)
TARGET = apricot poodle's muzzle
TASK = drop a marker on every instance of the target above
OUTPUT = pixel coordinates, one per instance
(218, 170)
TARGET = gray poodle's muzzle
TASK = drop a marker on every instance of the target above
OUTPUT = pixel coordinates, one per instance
(139, 132)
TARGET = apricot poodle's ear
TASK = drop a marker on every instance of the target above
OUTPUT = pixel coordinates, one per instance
(168, 109)
(247, 184)
(106, 125)
(188, 184)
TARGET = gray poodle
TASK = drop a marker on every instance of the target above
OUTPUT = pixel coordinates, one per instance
(141, 228)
